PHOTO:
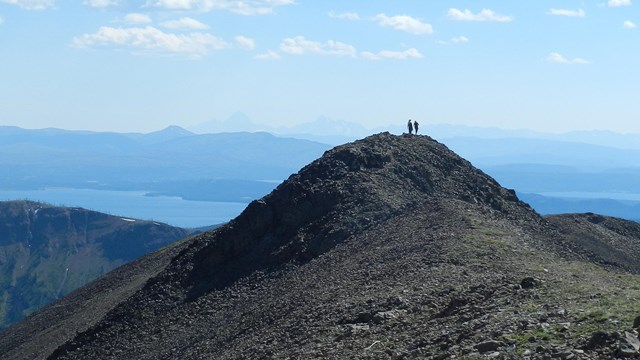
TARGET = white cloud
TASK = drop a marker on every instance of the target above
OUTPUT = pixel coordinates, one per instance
(31, 4)
(460, 40)
(483, 15)
(404, 23)
(102, 3)
(565, 12)
(185, 23)
(345, 16)
(629, 24)
(152, 40)
(245, 42)
(556, 58)
(135, 18)
(618, 3)
(388, 54)
(300, 46)
(269, 55)
(242, 7)
(455, 40)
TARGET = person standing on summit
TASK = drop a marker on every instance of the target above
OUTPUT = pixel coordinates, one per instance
(415, 126)
(410, 126)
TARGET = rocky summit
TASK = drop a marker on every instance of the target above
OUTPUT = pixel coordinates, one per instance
(391, 247)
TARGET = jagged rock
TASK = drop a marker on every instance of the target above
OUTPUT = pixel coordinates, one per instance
(599, 339)
(541, 349)
(356, 328)
(383, 316)
(491, 345)
(563, 354)
(628, 345)
(530, 282)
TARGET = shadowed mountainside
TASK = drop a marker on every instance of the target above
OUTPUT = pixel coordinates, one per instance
(388, 247)
(47, 251)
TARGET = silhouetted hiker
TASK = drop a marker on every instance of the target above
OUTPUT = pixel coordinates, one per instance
(415, 125)
(410, 126)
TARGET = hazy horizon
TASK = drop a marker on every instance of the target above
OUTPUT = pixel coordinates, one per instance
(400, 126)
(139, 66)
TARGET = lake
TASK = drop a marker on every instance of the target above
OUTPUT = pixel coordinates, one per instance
(135, 204)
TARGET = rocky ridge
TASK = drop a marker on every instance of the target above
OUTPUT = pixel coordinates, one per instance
(389, 247)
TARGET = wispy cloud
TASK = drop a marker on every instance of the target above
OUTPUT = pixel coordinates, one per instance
(404, 23)
(31, 4)
(269, 55)
(101, 3)
(557, 58)
(242, 7)
(396, 55)
(245, 42)
(136, 18)
(629, 24)
(460, 40)
(301, 46)
(151, 40)
(618, 3)
(455, 40)
(184, 23)
(566, 12)
(483, 15)
(345, 16)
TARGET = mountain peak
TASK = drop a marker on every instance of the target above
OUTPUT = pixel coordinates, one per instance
(175, 129)
(401, 171)
(169, 133)
(350, 188)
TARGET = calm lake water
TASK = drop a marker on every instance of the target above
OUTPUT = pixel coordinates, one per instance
(134, 204)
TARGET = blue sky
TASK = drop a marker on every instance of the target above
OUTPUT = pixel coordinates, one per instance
(126, 65)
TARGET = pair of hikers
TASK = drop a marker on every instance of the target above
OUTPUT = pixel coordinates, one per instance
(412, 126)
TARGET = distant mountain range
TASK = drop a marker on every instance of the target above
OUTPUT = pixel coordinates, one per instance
(241, 166)
(323, 129)
(594, 137)
(168, 162)
(337, 131)
(47, 252)
(558, 173)
(600, 162)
